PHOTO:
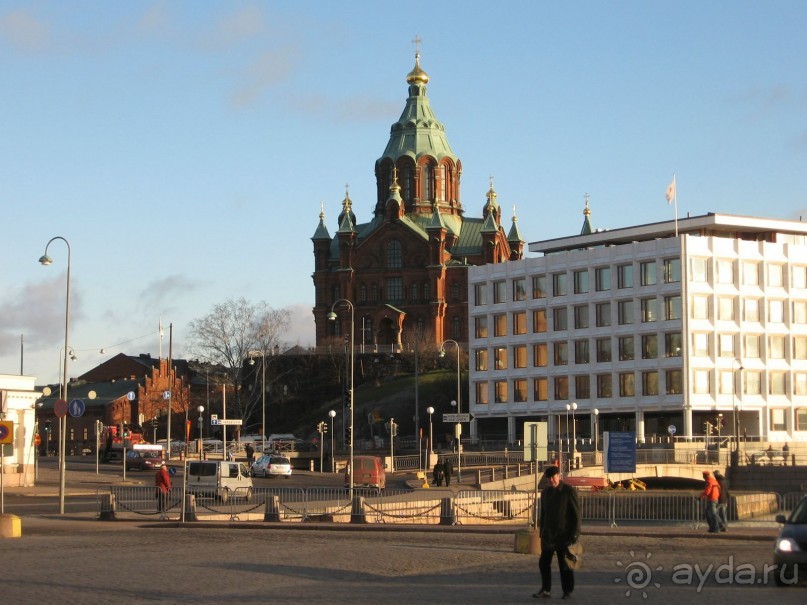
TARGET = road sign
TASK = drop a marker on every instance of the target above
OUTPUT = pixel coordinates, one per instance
(226, 422)
(166, 394)
(130, 396)
(37, 439)
(60, 408)
(77, 408)
(535, 441)
(671, 429)
(456, 418)
(6, 431)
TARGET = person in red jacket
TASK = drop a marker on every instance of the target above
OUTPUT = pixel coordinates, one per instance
(162, 481)
(711, 495)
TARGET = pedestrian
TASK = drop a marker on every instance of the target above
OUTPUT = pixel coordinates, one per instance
(559, 527)
(250, 454)
(162, 482)
(448, 470)
(710, 495)
(437, 473)
(722, 501)
(785, 452)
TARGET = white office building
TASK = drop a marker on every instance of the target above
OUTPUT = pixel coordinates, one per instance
(689, 327)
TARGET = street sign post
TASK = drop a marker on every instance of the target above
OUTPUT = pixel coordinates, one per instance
(77, 408)
(225, 422)
(456, 418)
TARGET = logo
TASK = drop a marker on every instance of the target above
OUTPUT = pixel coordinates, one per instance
(638, 575)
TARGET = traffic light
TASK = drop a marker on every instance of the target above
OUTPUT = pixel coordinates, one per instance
(346, 398)
(347, 434)
(48, 427)
(324, 427)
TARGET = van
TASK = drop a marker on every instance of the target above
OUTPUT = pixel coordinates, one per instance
(220, 479)
(369, 472)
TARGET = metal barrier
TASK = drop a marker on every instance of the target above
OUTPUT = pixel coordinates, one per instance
(675, 508)
(494, 506)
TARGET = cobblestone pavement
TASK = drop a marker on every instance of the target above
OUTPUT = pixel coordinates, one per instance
(82, 560)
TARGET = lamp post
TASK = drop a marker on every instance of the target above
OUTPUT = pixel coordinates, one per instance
(201, 420)
(430, 411)
(574, 432)
(736, 459)
(458, 427)
(568, 407)
(263, 399)
(332, 414)
(596, 431)
(47, 260)
(332, 317)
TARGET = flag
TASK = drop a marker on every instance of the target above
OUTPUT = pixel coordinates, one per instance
(671, 191)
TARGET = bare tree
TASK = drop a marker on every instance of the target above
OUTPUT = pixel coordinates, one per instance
(234, 332)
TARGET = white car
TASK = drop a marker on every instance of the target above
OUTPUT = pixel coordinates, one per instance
(272, 465)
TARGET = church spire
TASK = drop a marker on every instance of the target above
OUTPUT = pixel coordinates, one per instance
(587, 228)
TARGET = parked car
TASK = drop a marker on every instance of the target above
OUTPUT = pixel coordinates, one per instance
(790, 552)
(272, 465)
(144, 459)
(221, 479)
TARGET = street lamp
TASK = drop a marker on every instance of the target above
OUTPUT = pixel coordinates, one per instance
(430, 411)
(47, 260)
(201, 420)
(736, 413)
(458, 427)
(568, 407)
(596, 431)
(574, 431)
(332, 317)
(332, 414)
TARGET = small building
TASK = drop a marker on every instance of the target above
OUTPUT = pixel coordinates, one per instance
(18, 400)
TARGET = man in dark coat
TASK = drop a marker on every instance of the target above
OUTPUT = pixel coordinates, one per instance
(448, 470)
(559, 526)
(722, 502)
(437, 473)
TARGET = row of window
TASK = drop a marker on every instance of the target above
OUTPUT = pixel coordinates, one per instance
(752, 273)
(752, 309)
(395, 292)
(753, 383)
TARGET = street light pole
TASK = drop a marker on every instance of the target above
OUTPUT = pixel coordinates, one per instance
(736, 414)
(458, 427)
(332, 317)
(332, 414)
(574, 433)
(430, 411)
(46, 260)
(596, 431)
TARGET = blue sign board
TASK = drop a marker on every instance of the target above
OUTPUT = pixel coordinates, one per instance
(76, 408)
(620, 452)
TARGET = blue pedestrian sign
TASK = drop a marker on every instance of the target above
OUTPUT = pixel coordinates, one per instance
(76, 408)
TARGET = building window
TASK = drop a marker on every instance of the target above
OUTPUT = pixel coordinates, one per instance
(520, 356)
(442, 184)
(480, 294)
(539, 355)
(481, 326)
(581, 351)
(649, 307)
(394, 254)
(776, 347)
(776, 311)
(800, 378)
(799, 279)
(603, 311)
(394, 289)
(751, 345)
(559, 321)
(751, 306)
(647, 270)
(625, 312)
(582, 386)
(500, 358)
(428, 177)
(799, 347)
(481, 356)
(627, 384)
(624, 276)
(561, 353)
(580, 317)
(559, 284)
(519, 289)
(482, 393)
(700, 345)
(374, 293)
(520, 390)
(700, 307)
(727, 382)
(727, 345)
(539, 286)
(625, 348)
(675, 383)
(561, 387)
(672, 307)
(458, 330)
(725, 272)
(799, 312)
(426, 292)
(650, 383)
(581, 281)
(500, 324)
(520, 322)
(777, 384)
(603, 350)
(753, 383)
(751, 273)
(499, 292)
(604, 389)
(540, 389)
(672, 344)
(701, 382)
(602, 279)
(725, 308)
(700, 270)
(500, 388)
(539, 321)
(672, 270)
(455, 291)
(775, 276)
(649, 346)
(778, 420)
(801, 419)
(413, 293)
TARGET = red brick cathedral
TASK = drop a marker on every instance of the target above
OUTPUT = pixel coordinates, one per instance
(405, 270)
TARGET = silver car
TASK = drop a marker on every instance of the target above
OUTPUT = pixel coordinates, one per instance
(790, 553)
(272, 465)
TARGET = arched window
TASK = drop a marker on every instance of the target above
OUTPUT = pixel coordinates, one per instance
(455, 291)
(335, 294)
(406, 184)
(455, 328)
(414, 295)
(363, 294)
(421, 325)
(428, 178)
(442, 184)
(374, 293)
(394, 254)
(426, 291)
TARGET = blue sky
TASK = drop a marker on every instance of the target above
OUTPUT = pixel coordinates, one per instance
(184, 148)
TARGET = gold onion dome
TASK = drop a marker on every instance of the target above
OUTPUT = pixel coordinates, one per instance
(417, 75)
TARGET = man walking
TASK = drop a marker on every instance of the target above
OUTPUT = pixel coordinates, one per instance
(710, 495)
(722, 502)
(559, 527)
(162, 482)
(448, 470)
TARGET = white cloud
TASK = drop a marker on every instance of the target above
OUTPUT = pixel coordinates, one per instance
(24, 31)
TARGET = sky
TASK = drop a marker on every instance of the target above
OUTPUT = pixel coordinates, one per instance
(183, 148)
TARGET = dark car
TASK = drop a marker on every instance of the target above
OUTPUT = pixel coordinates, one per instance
(143, 460)
(790, 552)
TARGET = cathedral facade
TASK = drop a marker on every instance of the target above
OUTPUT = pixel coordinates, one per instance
(405, 271)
